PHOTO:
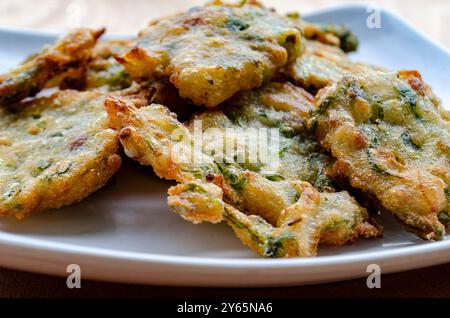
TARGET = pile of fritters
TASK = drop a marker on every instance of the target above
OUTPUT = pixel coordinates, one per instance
(352, 139)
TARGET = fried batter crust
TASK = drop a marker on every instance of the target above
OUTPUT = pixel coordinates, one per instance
(273, 211)
(103, 71)
(54, 151)
(322, 64)
(28, 79)
(331, 34)
(210, 53)
(100, 72)
(391, 139)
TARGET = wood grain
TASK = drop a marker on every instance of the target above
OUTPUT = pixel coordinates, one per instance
(432, 282)
(121, 16)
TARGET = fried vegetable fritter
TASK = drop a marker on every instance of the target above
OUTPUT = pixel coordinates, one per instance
(285, 108)
(325, 218)
(54, 151)
(331, 34)
(391, 138)
(29, 78)
(271, 208)
(199, 201)
(324, 59)
(103, 71)
(210, 53)
(320, 65)
(100, 72)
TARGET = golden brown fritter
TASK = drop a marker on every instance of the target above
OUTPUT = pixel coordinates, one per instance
(199, 201)
(322, 64)
(271, 207)
(391, 139)
(212, 52)
(54, 151)
(325, 218)
(330, 34)
(283, 107)
(324, 59)
(29, 78)
(103, 71)
(100, 72)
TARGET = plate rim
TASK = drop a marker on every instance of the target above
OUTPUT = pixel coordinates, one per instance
(14, 240)
(37, 249)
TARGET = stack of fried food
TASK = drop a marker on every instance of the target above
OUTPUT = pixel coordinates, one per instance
(353, 140)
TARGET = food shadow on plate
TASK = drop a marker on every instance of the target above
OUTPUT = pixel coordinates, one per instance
(93, 214)
(134, 202)
(129, 214)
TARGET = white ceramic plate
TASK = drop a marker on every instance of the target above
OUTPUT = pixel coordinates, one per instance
(126, 233)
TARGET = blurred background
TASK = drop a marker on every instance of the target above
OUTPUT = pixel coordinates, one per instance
(128, 16)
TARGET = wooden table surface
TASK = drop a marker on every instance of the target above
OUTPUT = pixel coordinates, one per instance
(430, 16)
(431, 282)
